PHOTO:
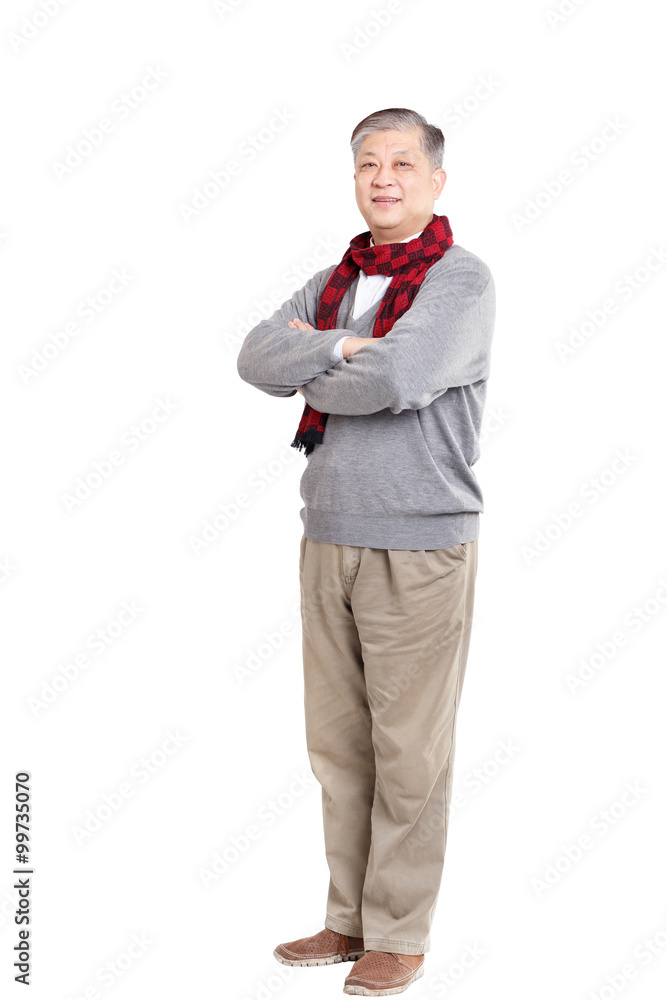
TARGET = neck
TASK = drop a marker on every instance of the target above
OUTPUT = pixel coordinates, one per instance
(402, 232)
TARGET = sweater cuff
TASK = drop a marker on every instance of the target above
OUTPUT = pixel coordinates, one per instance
(316, 354)
(338, 346)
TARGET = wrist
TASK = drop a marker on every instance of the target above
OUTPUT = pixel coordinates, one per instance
(349, 346)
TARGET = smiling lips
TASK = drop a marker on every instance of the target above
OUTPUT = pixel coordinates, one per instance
(386, 201)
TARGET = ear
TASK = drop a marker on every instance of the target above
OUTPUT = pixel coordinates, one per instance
(439, 178)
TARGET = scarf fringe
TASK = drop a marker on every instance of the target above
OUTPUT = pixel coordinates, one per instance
(307, 441)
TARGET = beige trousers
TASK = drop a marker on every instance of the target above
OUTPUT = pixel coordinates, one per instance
(385, 641)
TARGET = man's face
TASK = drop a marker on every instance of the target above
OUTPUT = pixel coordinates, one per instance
(395, 186)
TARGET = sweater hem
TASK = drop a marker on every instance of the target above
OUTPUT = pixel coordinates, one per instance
(390, 531)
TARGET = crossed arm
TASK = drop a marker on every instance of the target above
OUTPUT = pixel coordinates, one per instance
(442, 341)
(350, 345)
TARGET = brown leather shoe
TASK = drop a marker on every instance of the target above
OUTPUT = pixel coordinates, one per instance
(381, 974)
(324, 948)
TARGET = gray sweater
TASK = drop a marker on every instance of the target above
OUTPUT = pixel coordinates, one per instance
(394, 470)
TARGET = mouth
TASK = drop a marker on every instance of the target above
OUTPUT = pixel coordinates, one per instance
(386, 201)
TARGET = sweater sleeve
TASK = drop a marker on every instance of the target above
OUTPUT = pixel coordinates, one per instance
(443, 340)
(277, 358)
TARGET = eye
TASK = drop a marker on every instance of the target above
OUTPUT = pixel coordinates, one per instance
(403, 163)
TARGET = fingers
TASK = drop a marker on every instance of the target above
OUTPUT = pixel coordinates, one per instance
(300, 325)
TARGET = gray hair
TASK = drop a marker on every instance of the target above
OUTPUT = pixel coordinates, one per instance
(431, 139)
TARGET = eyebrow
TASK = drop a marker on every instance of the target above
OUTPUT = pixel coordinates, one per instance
(371, 153)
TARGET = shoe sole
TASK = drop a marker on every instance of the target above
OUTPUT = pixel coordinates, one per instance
(333, 960)
(363, 991)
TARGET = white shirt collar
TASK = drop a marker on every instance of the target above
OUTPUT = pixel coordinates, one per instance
(407, 240)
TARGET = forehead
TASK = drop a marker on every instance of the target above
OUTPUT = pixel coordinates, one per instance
(391, 142)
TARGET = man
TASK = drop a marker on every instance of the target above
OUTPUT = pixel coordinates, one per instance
(390, 350)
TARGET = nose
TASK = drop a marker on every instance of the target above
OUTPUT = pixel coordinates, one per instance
(385, 176)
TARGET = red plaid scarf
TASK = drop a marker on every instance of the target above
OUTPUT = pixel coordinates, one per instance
(407, 263)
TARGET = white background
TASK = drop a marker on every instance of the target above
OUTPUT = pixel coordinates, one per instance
(172, 333)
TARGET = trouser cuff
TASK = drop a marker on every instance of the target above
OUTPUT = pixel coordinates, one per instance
(344, 927)
(392, 944)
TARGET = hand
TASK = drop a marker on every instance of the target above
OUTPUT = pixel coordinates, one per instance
(352, 344)
(299, 325)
